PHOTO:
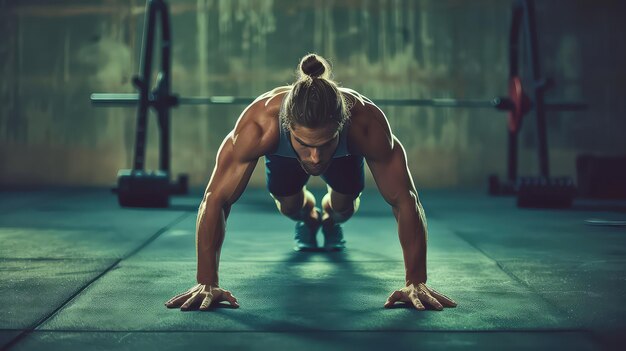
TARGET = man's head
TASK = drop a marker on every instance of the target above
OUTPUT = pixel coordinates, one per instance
(315, 112)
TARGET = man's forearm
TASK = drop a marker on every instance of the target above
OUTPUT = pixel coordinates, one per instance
(210, 231)
(413, 237)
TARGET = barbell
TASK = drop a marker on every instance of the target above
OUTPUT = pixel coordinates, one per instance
(517, 103)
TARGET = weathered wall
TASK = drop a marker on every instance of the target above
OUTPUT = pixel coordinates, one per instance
(53, 54)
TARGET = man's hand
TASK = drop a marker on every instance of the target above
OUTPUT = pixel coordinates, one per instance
(419, 294)
(201, 293)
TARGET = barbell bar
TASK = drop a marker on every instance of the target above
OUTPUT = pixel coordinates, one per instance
(501, 103)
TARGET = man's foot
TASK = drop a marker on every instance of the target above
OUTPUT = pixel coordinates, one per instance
(305, 239)
(333, 237)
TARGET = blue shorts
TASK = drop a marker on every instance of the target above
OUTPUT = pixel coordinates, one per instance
(285, 176)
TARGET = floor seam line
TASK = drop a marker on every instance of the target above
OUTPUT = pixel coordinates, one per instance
(41, 321)
(510, 274)
(156, 235)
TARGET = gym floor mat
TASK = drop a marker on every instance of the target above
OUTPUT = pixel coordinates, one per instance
(80, 272)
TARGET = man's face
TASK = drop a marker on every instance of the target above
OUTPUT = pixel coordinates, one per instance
(314, 146)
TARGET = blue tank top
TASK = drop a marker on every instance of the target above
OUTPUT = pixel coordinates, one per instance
(285, 148)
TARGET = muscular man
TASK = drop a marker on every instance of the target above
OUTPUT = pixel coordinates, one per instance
(312, 127)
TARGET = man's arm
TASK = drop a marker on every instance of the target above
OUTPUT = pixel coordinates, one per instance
(235, 162)
(230, 176)
(396, 186)
(387, 160)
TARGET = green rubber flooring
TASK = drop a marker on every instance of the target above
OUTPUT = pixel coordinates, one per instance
(79, 272)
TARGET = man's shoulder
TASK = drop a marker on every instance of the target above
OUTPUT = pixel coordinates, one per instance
(270, 96)
(369, 127)
(266, 105)
(259, 123)
(364, 114)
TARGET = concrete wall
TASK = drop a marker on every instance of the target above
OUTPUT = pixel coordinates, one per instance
(53, 54)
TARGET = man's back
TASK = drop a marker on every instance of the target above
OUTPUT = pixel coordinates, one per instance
(265, 113)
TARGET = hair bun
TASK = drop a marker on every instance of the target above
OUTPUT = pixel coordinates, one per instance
(314, 66)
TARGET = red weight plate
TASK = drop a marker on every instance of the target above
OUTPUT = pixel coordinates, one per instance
(521, 103)
(516, 94)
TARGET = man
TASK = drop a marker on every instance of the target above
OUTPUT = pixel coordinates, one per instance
(312, 128)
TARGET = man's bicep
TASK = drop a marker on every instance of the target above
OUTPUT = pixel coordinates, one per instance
(392, 175)
(231, 173)
(237, 156)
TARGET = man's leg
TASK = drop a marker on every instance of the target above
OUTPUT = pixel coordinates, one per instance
(338, 208)
(299, 207)
(345, 178)
(286, 182)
